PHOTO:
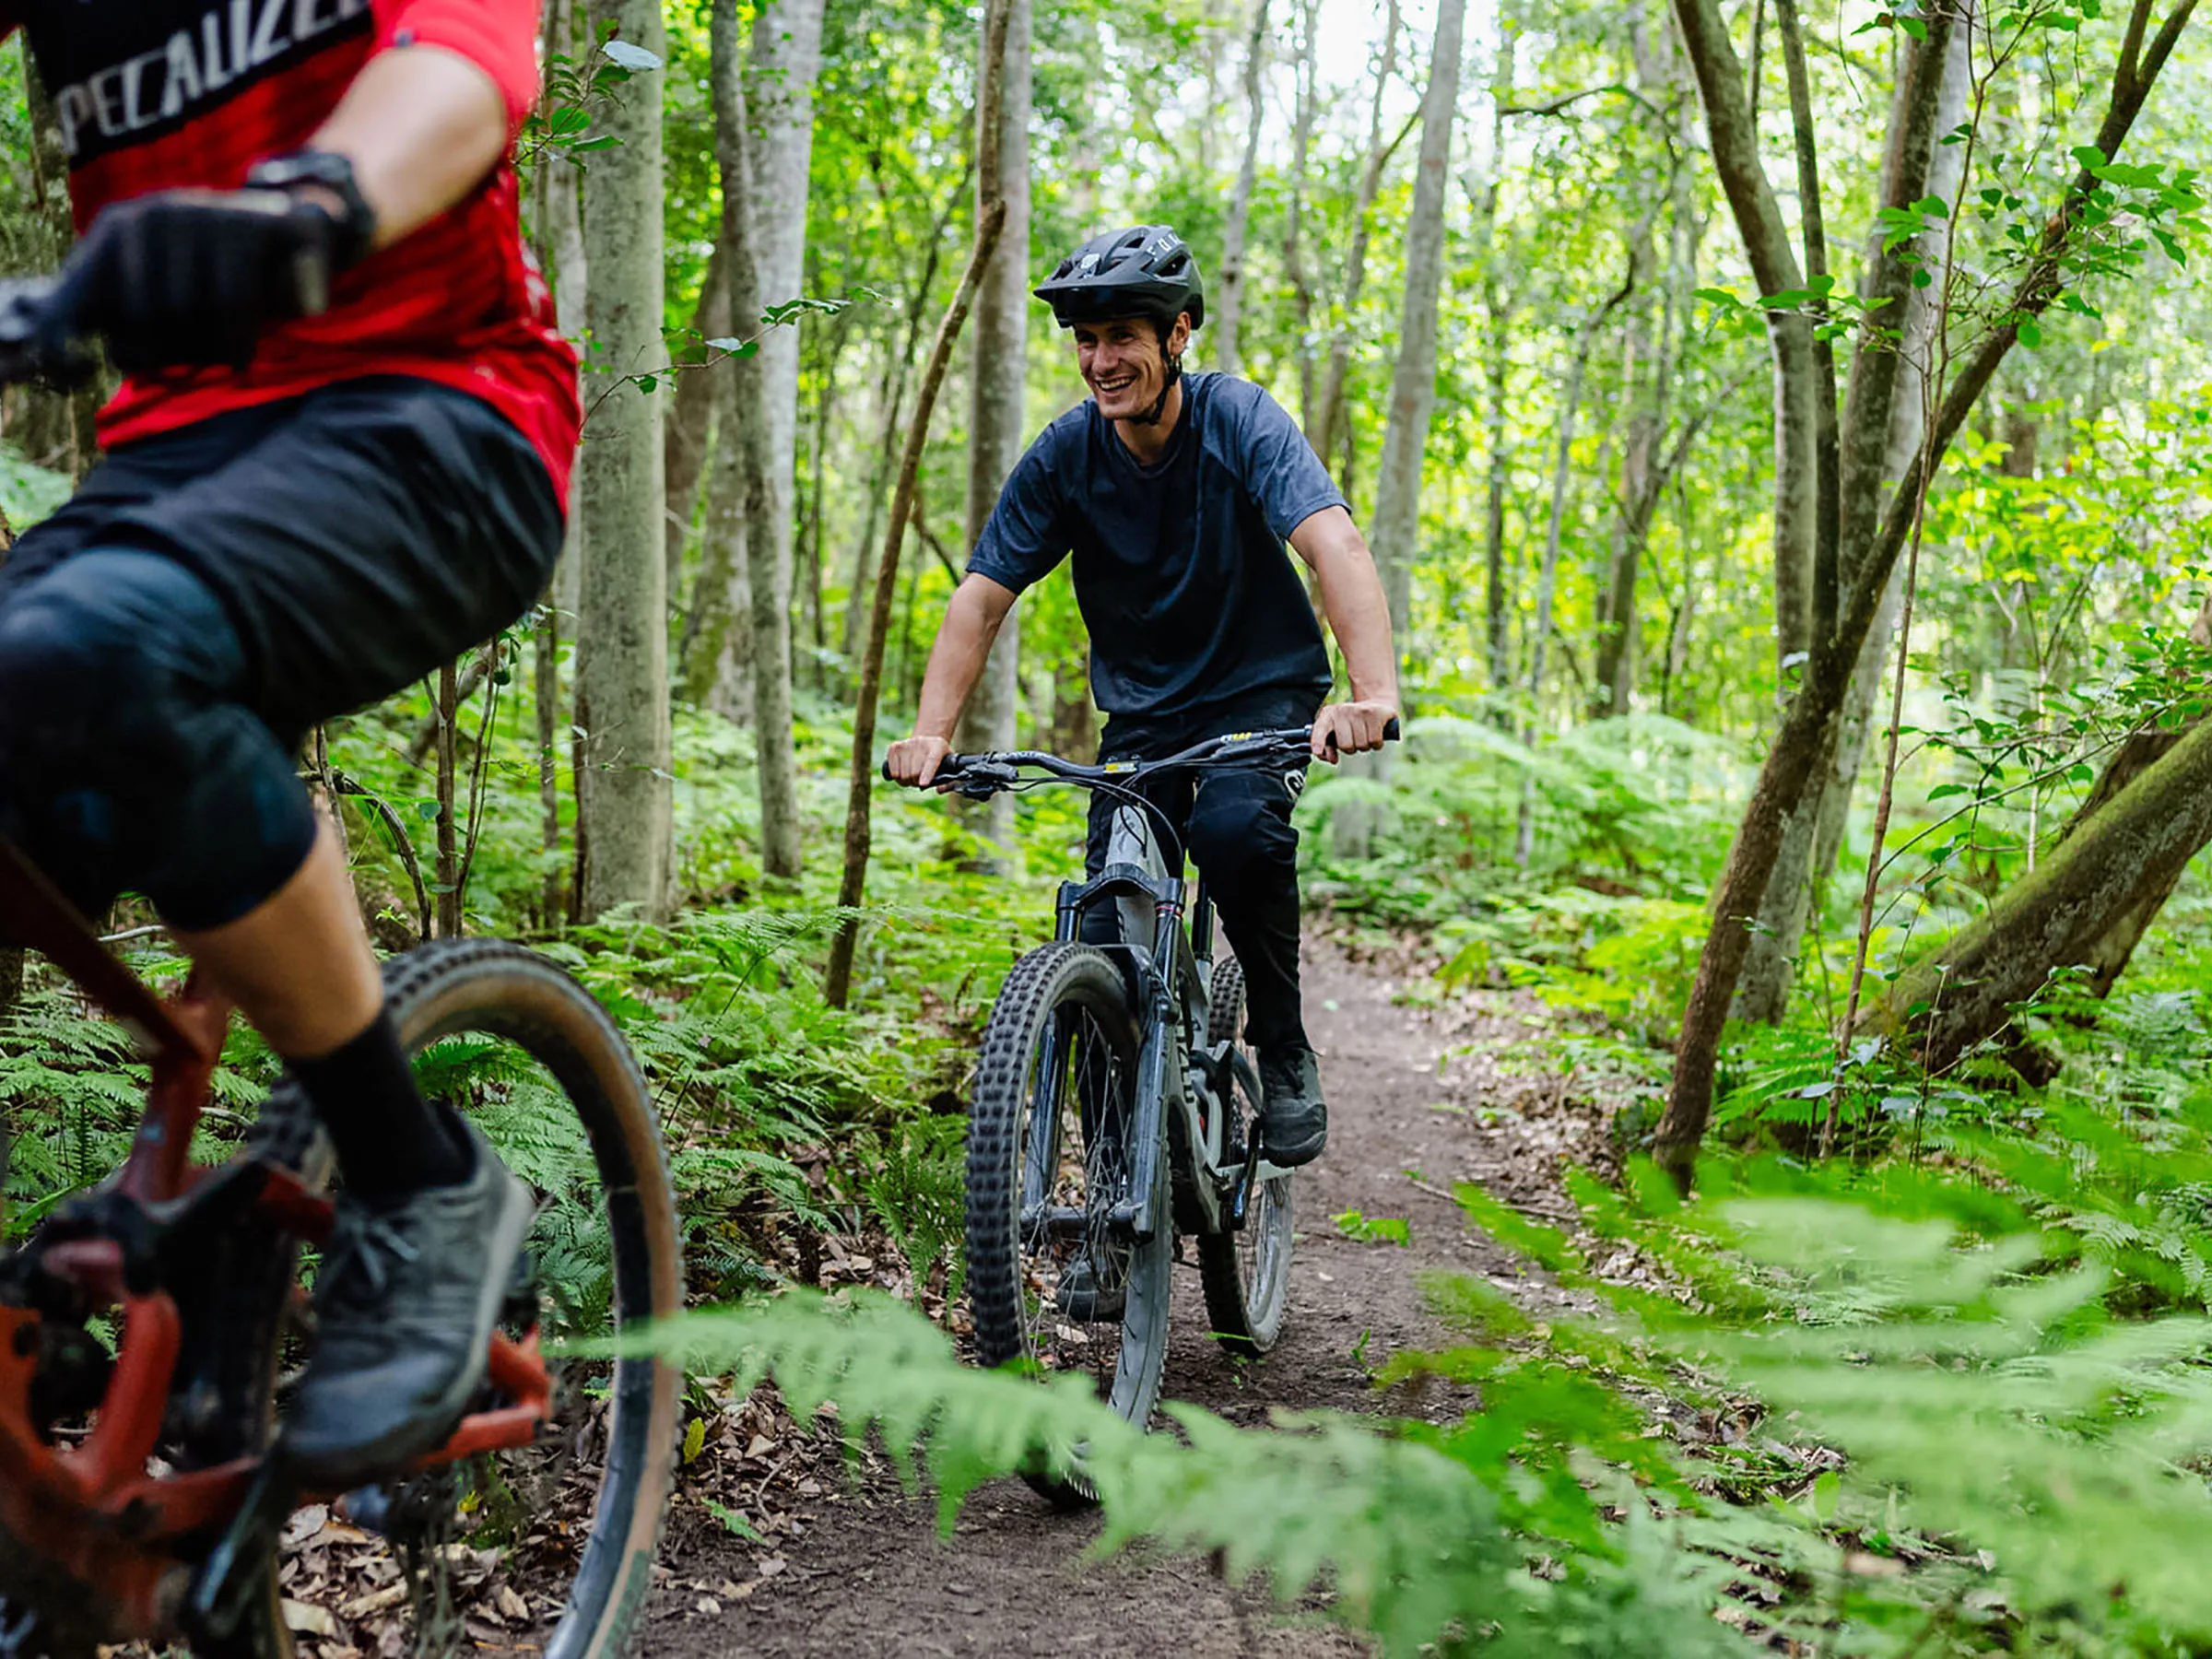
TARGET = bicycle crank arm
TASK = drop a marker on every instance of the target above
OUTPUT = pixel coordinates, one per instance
(1256, 1169)
(224, 1588)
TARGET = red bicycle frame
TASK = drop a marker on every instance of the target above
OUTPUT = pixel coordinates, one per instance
(95, 1521)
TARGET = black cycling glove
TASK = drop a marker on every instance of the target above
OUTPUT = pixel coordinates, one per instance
(191, 277)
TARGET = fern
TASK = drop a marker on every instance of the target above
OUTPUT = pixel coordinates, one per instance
(1408, 1530)
(918, 1193)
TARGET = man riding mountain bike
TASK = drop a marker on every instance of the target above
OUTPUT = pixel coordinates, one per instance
(1175, 493)
(340, 456)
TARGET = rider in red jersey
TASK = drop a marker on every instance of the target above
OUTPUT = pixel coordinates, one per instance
(339, 457)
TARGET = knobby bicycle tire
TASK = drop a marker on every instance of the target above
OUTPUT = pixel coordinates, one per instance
(488, 987)
(1055, 991)
(1246, 1273)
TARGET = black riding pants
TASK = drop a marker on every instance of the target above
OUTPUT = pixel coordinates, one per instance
(168, 637)
(1235, 823)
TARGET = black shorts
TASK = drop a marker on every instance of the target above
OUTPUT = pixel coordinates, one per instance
(167, 637)
(357, 536)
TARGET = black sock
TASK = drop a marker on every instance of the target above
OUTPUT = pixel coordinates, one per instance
(390, 1140)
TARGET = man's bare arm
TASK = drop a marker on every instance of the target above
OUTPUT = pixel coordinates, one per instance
(422, 127)
(1358, 613)
(955, 662)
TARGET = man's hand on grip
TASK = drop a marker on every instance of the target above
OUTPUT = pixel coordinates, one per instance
(914, 761)
(1351, 728)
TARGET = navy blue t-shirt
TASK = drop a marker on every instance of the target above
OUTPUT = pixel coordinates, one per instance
(1181, 572)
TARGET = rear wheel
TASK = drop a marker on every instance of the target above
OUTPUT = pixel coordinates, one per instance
(516, 1043)
(1246, 1273)
(1053, 1281)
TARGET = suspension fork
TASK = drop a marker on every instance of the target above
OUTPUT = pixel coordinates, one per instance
(1159, 1068)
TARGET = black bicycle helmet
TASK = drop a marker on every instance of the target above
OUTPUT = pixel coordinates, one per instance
(1145, 271)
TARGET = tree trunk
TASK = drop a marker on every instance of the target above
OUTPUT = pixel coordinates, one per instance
(690, 424)
(879, 478)
(1571, 401)
(624, 800)
(558, 243)
(1650, 377)
(1228, 287)
(448, 707)
(2083, 907)
(749, 424)
(837, 981)
(1924, 103)
(1775, 266)
(55, 429)
(1294, 246)
(1326, 428)
(996, 421)
(1497, 305)
(1397, 519)
(1806, 723)
(786, 60)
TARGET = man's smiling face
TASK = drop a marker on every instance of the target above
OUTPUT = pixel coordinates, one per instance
(1125, 362)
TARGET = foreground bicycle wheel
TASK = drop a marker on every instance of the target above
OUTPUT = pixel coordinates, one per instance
(1247, 1273)
(547, 1550)
(1049, 1156)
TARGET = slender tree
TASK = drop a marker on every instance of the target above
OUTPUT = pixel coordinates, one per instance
(748, 423)
(1397, 526)
(838, 981)
(1228, 285)
(995, 424)
(623, 796)
(787, 56)
(1325, 428)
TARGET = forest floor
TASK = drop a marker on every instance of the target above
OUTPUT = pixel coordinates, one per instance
(1420, 1098)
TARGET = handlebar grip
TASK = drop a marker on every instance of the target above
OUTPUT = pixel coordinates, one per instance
(1390, 731)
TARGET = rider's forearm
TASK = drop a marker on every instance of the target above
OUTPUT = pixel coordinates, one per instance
(1358, 614)
(422, 126)
(955, 661)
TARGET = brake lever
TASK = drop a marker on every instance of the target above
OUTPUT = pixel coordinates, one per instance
(980, 779)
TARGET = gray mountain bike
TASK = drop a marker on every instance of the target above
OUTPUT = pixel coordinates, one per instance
(1116, 1109)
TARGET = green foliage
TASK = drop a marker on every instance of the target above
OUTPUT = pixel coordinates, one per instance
(1374, 1230)
(1411, 1528)
(918, 1193)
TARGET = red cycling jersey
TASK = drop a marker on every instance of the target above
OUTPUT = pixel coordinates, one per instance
(158, 94)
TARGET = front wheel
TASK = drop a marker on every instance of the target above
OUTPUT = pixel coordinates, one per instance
(546, 1550)
(1247, 1273)
(1051, 1153)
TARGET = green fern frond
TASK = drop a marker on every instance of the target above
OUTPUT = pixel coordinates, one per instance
(1411, 1540)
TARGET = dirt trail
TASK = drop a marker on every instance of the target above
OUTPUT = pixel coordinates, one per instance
(871, 1575)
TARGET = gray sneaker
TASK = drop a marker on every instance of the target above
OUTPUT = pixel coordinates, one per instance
(405, 1306)
(1294, 1120)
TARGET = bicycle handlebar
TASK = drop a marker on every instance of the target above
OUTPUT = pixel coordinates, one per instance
(986, 774)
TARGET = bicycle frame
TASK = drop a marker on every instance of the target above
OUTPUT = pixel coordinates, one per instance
(90, 1521)
(1172, 969)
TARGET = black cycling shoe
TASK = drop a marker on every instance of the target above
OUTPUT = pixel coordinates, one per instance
(1082, 1299)
(408, 1294)
(1294, 1120)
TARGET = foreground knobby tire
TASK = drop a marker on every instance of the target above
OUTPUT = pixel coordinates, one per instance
(1247, 1273)
(559, 1054)
(1055, 1094)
